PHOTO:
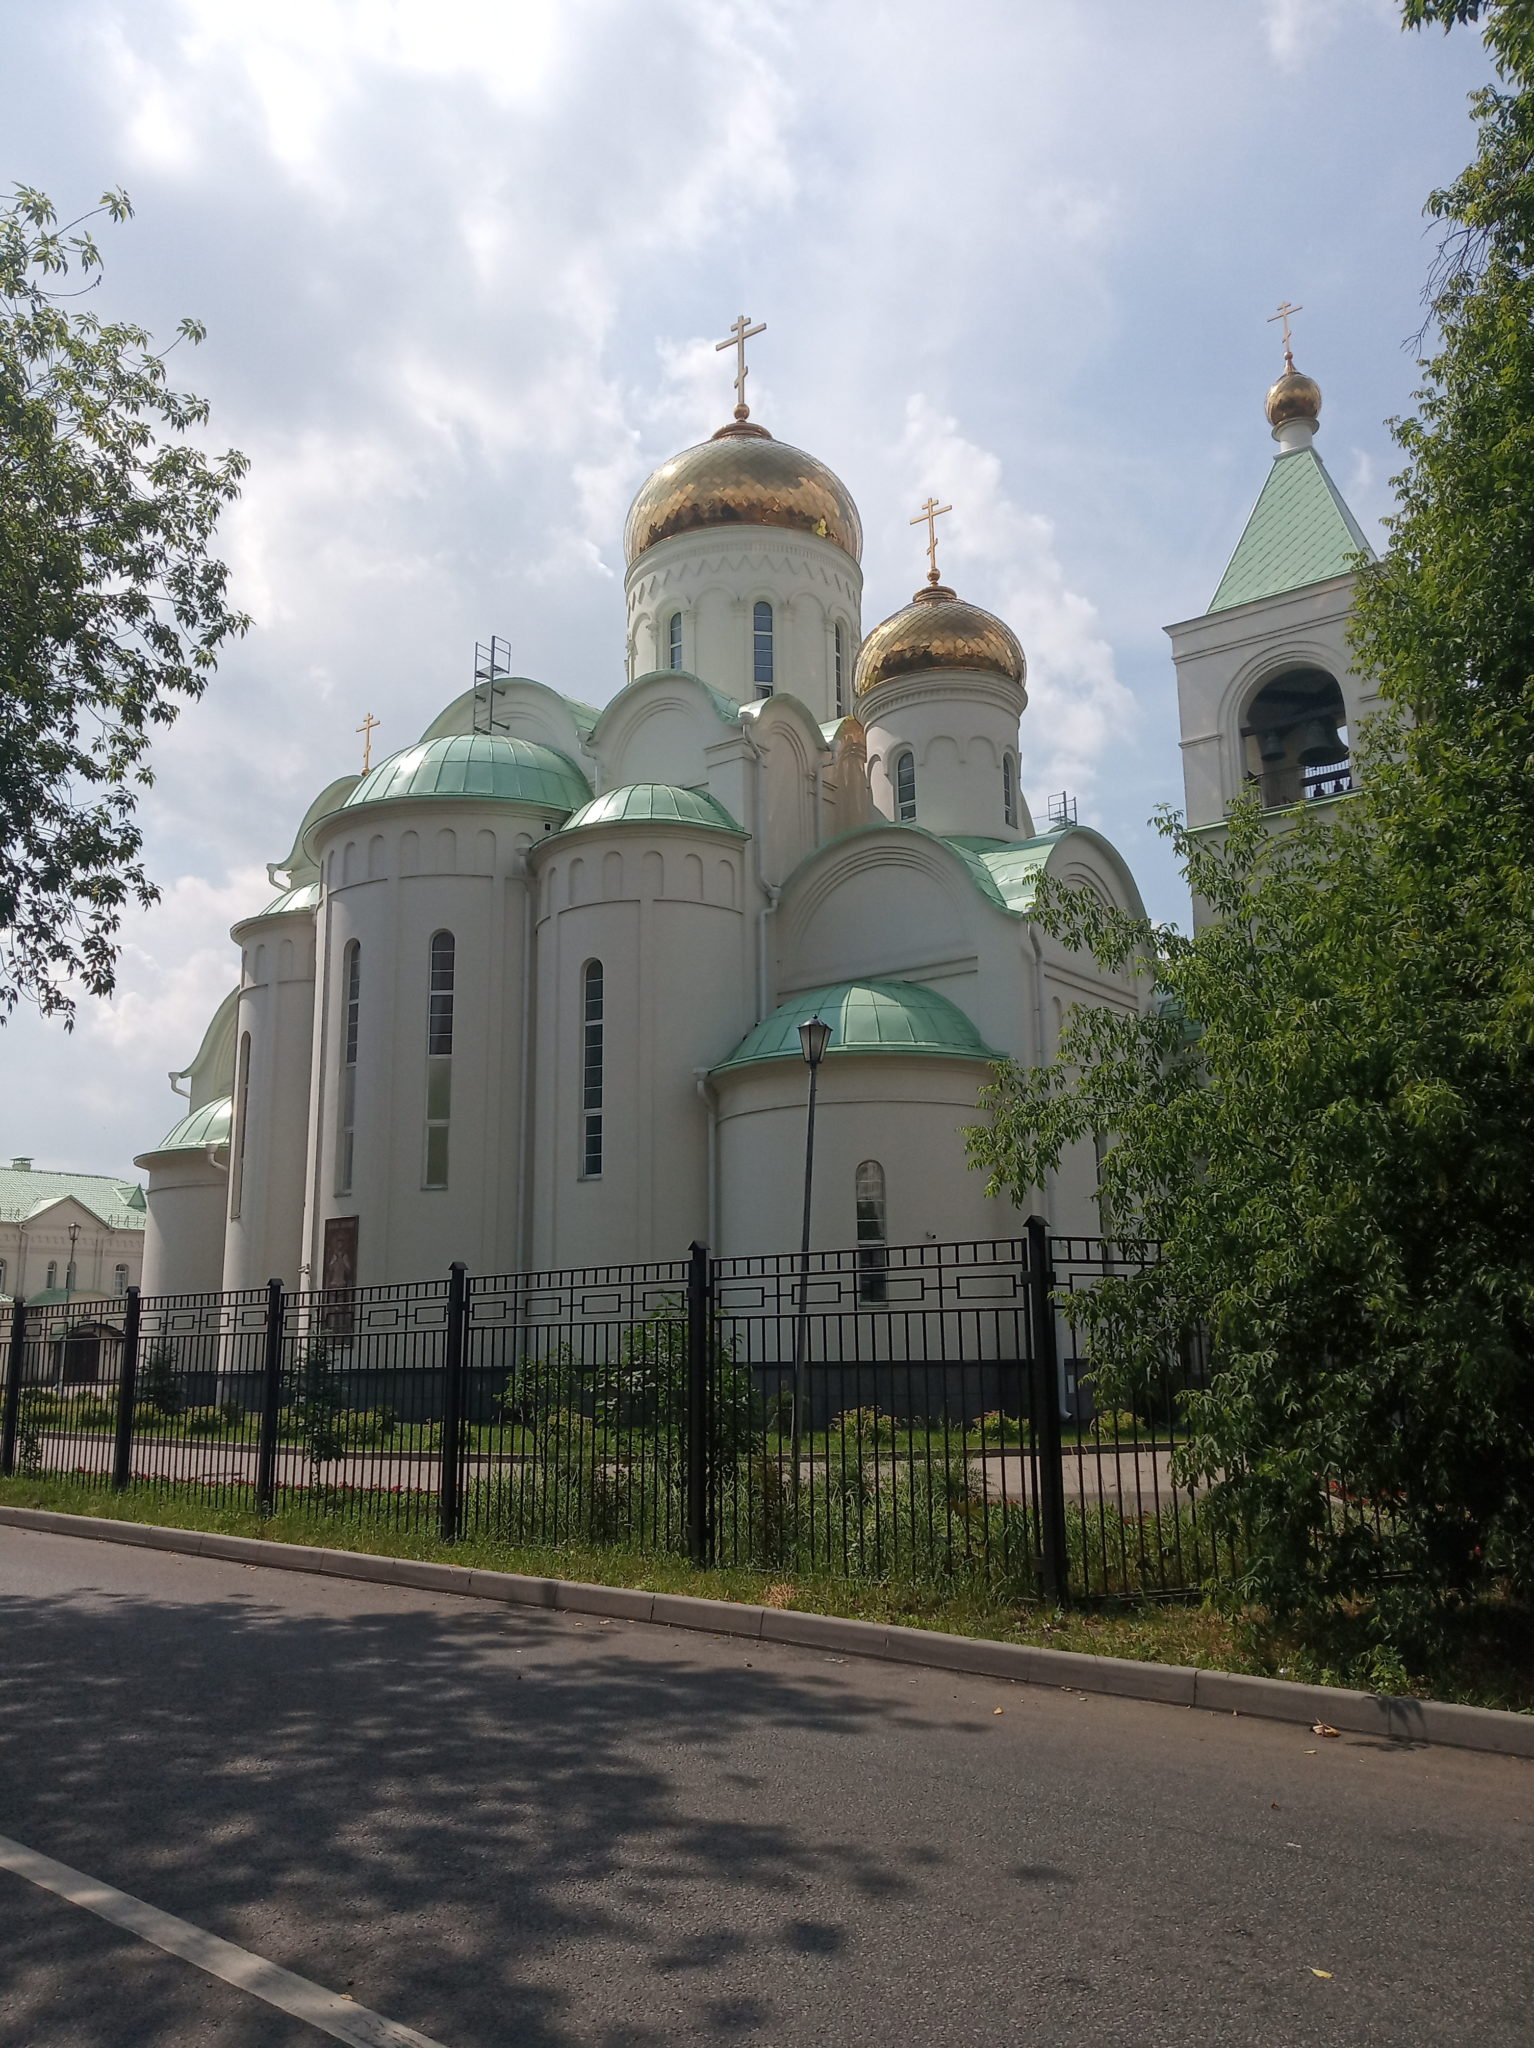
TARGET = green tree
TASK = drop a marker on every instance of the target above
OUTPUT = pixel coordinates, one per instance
(159, 1387)
(111, 607)
(317, 1404)
(1328, 1122)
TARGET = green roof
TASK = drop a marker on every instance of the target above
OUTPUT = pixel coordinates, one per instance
(26, 1190)
(1300, 532)
(654, 803)
(476, 764)
(204, 1127)
(866, 1017)
(303, 898)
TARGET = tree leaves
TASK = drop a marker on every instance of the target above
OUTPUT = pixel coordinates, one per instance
(111, 607)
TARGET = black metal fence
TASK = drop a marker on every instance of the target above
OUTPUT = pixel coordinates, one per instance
(915, 1413)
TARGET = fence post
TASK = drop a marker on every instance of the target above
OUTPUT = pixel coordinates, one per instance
(127, 1384)
(271, 1399)
(1049, 1456)
(698, 1545)
(14, 1366)
(452, 1400)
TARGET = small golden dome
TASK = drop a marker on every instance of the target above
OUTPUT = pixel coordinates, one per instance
(1294, 397)
(742, 477)
(937, 630)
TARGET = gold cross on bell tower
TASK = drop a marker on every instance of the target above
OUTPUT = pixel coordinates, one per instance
(1283, 314)
(737, 338)
(367, 729)
(928, 516)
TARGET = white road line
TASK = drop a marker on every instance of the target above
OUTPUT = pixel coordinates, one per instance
(327, 2010)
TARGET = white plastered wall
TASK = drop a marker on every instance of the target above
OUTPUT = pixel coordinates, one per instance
(959, 728)
(269, 1131)
(395, 874)
(185, 1194)
(665, 911)
(715, 577)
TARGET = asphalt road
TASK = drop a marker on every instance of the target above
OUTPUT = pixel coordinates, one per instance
(499, 1827)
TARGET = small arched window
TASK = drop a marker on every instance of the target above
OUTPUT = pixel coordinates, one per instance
(119, 1279)
(873, 1255)
(592, 1002)
(905, 787)
(53, 1274)
(674, 641)
(839, 664)
(241, 1110)
(439, 1056)
(761, 648)
(1008, 789)
(351, 1017)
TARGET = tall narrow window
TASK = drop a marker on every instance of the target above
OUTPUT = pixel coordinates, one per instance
(351, 1002)
(241, 1104)
(761, 648)
(839, 664)
(674, 640)
(53, 1274)
(873, 1258)
(2, 1276)
(905, 787)
(1008, 789)
(439, 1057)
(119, 1279)
(591, 1071)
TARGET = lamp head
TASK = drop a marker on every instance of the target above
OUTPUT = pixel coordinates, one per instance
(814, 1037)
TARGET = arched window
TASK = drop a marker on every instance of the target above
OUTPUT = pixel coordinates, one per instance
(873, 1258)
(1295, 740)
(53, 1274)
(2, 1276)
(839, 663)
(119, 1279)
(439, 1056)
(241, 1105)
(674, 641)
(1008, 789)
(591, 1070)
(351, 1011)
(761, 647)
(905, 787)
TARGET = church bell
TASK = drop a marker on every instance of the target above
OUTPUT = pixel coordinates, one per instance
(1319, 742)
(1272, 748)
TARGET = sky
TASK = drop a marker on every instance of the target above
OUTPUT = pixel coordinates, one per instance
(462, 265)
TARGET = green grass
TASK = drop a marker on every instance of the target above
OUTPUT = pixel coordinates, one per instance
(1493, 1664)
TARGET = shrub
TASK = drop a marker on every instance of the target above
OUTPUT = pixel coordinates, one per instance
(203, 1422)
(996, 1429)
(159, 1388)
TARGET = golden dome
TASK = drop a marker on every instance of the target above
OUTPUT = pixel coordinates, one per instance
(938, 630)
(1294, 397)
(742, 477)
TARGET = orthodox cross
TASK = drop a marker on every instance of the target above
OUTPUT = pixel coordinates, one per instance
(737, 338)
(1283, 314)
(928, 516)
(366, 729)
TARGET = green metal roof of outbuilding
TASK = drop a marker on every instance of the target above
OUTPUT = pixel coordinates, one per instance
(476, 764)
(654, 803)
(1300, 532)
(24, 1190)
(204, 1127)
(866, 1017)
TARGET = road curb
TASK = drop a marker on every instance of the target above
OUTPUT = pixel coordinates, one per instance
(1223, 1692)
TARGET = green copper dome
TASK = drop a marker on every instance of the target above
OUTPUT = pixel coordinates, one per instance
(867, 1017)
(654, 803)
(206, 1126)
(305, 897)
(476, 764)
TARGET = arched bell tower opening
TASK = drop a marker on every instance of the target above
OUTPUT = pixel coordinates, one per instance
(1294, 739)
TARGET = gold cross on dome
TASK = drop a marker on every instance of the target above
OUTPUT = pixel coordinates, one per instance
(736, 339)
(1283, 314)
(928, 516)
(366, 729)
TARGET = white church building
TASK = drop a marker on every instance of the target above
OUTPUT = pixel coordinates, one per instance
(529, 993)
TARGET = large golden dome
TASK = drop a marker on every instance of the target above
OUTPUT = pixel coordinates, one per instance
(1294, 397)
(742, 477)
(937, 630)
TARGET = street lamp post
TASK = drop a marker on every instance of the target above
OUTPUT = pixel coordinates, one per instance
(814, 1037)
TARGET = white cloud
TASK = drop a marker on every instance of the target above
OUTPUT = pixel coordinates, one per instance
(1004, 556)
